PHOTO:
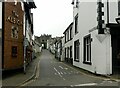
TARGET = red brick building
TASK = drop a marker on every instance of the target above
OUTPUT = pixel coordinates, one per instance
(12, 35)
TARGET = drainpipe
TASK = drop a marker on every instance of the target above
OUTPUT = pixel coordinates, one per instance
(107, 11)
(108, 68)
(25, 44)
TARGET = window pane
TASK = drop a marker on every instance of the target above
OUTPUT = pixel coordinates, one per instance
(87, 49)
(76, 51)
(14, 51)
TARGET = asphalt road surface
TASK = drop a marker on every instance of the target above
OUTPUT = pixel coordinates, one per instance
(51, 72)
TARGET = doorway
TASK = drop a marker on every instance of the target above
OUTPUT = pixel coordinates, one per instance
(115, 54)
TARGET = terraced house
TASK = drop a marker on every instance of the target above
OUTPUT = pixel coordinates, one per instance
(96, 34)
(68, 33)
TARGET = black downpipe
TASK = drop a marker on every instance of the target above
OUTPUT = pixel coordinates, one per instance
(107, 12)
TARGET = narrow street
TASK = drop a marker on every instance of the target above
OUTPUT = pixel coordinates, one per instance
(51, 72)
(69, 43)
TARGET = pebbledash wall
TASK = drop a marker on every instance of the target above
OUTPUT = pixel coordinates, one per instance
(100, 61)
(13, 36)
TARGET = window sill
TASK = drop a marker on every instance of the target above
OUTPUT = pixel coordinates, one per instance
(68, 41)
(89, 63)
(76, 60)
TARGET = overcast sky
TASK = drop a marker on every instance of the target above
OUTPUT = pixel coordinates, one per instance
(52, 16)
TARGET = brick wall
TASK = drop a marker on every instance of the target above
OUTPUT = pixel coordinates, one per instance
(13, 17)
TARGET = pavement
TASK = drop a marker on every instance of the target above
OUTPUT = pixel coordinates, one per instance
(114, 77)
(18, 75)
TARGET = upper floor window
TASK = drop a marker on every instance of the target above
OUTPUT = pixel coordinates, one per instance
(76, 24)
(65, 38)
(70, 33)
(14, 32)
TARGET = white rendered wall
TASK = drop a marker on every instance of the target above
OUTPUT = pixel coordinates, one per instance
(63, 49)
(100, 51)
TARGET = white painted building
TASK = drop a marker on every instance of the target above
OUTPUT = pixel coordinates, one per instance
(28, 30)
(94, 51)
(52, 48)
(59, 49)
(68, 33)
(49, 42)
(37, 47)
(51, 45)
(63, 49)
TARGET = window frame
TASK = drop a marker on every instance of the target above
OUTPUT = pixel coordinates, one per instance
(71, 52)
(71, 33)
(76, 50)
(87, 49)
(65, 37)
(14, 51)
(76, 24)
(14, 32)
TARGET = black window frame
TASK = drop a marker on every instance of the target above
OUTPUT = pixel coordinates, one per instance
(76, 24)
(87, 50)
(68, 35)
(71, 33)
(70, 51)
(76, 50)
(65, 37)
(65, 52)
(14, 51)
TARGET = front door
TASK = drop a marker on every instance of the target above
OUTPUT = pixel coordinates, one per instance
(116, 54)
